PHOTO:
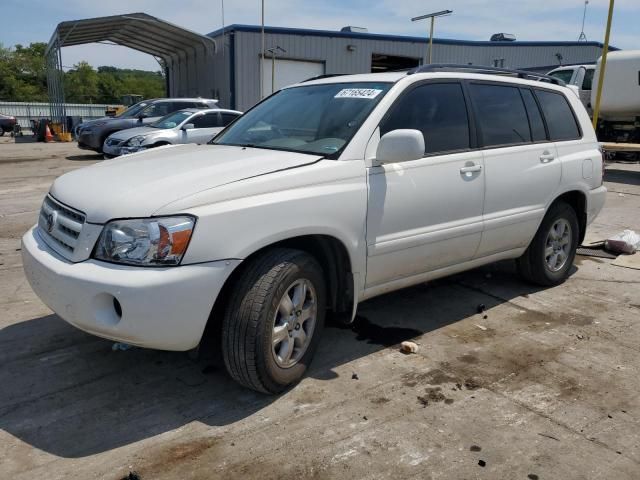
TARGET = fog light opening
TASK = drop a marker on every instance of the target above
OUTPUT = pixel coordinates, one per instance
(117, 307)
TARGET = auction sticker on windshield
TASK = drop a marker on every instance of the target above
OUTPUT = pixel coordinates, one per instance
(358, 93)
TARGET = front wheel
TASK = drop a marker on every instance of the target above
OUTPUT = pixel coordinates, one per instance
(550, 255)
(273, 321)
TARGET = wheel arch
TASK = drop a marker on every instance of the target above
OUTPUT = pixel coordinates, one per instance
(577, 199)
(332, 255)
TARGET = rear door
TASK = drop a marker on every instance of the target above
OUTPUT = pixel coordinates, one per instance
(522, 170)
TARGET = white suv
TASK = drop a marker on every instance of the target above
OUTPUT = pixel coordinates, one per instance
(326, 194)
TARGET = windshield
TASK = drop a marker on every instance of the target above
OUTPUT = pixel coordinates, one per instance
(133, 110)
(309, 119)
(172, 120)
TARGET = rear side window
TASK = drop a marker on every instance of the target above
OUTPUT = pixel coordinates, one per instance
(438, 110)
(535, 118)
(560, 119)
(564, 75)
(501, 115)
(587, 82)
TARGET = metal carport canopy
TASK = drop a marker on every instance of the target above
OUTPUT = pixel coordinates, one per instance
(139, 31)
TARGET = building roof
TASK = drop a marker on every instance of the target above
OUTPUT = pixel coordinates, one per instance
(139, 31)
(397, 38)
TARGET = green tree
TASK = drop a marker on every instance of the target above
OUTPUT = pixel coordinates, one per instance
(81, 84)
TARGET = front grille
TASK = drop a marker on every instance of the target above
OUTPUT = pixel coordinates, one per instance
(60, 224)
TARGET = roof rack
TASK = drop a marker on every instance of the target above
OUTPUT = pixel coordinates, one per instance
(326, 75)
(452, 67)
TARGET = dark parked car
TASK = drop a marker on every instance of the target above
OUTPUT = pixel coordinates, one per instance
(92, 134)
(6, 123)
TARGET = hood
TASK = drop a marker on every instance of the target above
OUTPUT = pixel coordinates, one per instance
(137, 185)
(128, 133)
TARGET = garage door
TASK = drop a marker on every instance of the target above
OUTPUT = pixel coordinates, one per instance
(288, 72)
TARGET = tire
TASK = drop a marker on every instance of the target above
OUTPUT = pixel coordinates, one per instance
(254, 314)
(537, 264)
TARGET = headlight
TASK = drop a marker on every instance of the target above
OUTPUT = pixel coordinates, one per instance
(136, 141)
(158, 241)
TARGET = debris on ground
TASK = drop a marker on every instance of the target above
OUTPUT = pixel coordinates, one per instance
(482, 463)
(627, 242)
(484, 317)
(594, 250)
(481, 327)
(408, 347)
(580, 336)
(471, 384)
(121, 346)
(481, 308)
(354, 376)
(132, 476)
(475, 448)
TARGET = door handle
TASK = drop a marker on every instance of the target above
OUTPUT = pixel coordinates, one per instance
(546, 157)
(471, 169)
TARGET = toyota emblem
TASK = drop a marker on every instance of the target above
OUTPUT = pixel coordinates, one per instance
(51, 221)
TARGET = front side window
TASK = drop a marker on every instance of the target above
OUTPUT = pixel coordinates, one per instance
(157, 110)
(208, 120)
(500, 114)
(318, 119)
(133, 110)
(438, 110)
(560, 119)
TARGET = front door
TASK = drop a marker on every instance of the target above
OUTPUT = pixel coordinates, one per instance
(426, 214)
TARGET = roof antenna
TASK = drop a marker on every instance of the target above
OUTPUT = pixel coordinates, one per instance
(582, 36)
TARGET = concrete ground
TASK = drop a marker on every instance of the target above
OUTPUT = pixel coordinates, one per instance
(545, 386)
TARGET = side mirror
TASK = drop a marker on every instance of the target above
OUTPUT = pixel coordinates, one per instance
(188, 126)
(141, 116)
(401, 145)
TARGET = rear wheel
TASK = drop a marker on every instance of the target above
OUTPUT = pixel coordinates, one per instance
(273, 321)
(550, 255)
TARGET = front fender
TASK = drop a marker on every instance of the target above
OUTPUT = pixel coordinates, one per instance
(237, 219)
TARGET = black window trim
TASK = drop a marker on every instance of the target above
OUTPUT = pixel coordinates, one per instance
(575, 118)
(473, 145)
(544, 120)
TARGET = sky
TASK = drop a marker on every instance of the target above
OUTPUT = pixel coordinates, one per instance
(24, 22)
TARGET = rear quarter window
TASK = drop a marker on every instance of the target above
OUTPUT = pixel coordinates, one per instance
(560, 118)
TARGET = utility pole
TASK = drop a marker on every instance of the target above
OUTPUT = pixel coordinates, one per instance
(603, 66)
(584, 16)
(431, 16)
(273, 51)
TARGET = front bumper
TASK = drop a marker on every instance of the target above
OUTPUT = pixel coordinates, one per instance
(162, 308)
(89, 141)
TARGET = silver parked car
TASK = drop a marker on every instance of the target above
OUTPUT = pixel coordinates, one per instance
(184, 126)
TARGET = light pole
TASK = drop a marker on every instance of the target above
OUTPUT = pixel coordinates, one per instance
(584, 17)
(432, 16)
(273, 51)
